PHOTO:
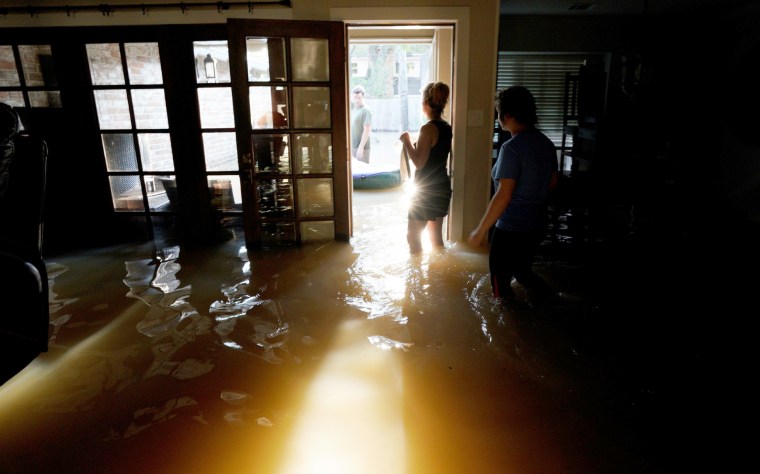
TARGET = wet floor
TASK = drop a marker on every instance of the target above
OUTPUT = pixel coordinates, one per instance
(342, 358)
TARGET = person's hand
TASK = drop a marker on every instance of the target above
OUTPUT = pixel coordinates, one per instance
(405, 139)
(476, 237)
(360, 153)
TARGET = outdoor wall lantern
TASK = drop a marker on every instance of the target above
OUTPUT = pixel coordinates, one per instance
(208, 64)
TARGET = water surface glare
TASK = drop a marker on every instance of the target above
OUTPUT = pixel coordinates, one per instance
(331, 358)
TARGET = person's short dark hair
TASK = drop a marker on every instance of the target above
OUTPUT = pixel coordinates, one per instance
(518, 102)
(358, 89)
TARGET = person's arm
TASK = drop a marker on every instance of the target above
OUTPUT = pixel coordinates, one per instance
(363, 141)
(554, 180)
(499, 202)
(420, 152)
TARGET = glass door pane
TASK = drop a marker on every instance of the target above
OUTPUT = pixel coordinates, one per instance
(9, 76)
(39, 74)
(311, 107)
(313, 153)
(265, 58)
(311, 61)
(28, 76)
(220, 151)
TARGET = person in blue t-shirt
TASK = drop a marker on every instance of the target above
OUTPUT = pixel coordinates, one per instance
(524, 174)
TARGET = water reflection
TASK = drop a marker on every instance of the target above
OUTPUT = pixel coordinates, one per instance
(338, 356)
(171, 321)
(56, 305)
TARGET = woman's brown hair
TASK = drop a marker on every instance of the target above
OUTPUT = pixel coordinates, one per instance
(436, 96)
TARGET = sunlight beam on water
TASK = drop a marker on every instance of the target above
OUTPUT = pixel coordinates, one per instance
(352, 417)
(36, 376)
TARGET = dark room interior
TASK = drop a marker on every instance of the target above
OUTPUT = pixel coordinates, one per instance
(643, 364)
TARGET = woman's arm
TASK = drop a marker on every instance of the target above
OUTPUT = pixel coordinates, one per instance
(420, 151)
(499, 202)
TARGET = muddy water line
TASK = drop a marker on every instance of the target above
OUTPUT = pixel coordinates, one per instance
(338, 357)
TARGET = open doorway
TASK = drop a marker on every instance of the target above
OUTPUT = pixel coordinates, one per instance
(389, 65)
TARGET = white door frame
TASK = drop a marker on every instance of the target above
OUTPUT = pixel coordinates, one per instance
(460, 18)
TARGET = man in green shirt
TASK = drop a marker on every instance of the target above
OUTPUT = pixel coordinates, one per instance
(361, 124)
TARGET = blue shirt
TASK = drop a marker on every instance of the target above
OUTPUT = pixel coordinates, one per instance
(529, 158)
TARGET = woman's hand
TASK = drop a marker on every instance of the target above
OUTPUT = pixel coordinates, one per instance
(476, 237)
(405, 139)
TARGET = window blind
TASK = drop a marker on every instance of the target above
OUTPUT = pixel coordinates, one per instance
(544, 75)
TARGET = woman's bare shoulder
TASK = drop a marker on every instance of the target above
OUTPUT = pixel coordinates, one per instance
(429, 128)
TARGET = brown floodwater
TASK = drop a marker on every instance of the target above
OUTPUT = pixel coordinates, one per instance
(331, 358)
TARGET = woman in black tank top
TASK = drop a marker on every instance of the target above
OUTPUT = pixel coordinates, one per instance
(430, 203)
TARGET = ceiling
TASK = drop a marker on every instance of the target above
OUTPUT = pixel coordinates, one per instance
(613, 7)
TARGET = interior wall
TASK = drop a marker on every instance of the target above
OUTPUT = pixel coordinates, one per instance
(444, 59)
(561, 34)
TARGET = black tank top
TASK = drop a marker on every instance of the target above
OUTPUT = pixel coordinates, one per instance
(435, 168)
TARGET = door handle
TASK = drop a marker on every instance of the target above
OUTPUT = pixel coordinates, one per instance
(246, 161)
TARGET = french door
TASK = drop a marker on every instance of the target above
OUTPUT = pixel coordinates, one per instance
(289, 102)
(250, 114)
